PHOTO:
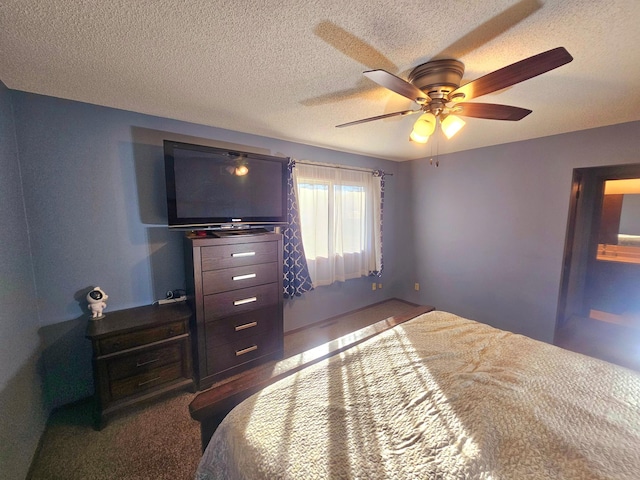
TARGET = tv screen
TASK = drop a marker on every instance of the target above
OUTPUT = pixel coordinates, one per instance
(209, 187)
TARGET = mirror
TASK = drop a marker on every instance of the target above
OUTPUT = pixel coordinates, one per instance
(629, 229)
(619, 233)
(620, 220)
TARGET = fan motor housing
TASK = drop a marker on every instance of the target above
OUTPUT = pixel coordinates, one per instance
(437, 78)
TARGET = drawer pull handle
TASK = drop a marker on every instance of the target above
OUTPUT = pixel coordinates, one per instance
(246, 325)
(245, 300)
(246, 350)
(138, 364)
(244, 277)
(149, 381)
(243, 254)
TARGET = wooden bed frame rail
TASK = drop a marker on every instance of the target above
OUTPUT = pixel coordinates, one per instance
(210, 406)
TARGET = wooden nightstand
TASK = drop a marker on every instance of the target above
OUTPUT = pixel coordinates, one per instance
(139, 354)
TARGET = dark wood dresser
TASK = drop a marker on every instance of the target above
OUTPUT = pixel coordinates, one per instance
(139, 354)
(234, 285)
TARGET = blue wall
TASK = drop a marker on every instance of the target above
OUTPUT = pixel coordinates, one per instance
(488, 226)
(22, 408)
(94, 192)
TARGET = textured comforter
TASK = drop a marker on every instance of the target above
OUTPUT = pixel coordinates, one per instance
(438, 397)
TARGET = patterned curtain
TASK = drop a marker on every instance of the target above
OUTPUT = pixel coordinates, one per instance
(380, 174)
(296, 274)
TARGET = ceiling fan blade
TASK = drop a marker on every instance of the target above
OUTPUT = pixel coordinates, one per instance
(379, 117)
(491, 111)
(398, 85)
(514, 73)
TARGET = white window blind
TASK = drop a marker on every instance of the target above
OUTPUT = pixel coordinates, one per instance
(339, 222)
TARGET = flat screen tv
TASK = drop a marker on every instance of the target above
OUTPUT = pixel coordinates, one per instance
(210, 188)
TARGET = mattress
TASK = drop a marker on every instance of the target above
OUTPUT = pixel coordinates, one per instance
(437, 397)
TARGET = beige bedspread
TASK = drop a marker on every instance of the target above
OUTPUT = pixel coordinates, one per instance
(438, 397)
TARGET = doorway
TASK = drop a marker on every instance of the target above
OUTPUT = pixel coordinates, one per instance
(599, 302)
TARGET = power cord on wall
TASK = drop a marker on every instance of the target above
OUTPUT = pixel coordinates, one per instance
(175, 293)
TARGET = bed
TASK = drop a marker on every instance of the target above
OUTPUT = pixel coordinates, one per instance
(438, 396)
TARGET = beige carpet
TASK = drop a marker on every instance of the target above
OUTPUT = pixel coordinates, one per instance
(159, 441)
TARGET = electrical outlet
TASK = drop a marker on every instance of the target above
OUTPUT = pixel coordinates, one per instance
(373, 286)
(416, 286)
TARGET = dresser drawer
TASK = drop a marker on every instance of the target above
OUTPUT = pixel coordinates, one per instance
(145, 381)
(239, 301)
(217, 281)
(244, 350)
(227, 256)
(263, 321)
(142, 337)
(144, 361)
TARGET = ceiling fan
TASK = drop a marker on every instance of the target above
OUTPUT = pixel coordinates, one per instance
(435, 87)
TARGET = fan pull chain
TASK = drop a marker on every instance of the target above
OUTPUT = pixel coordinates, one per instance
(431, 153)
(437, 150)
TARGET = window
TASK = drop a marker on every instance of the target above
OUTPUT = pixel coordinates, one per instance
(339, 222)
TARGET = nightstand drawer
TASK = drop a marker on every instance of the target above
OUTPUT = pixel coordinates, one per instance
(226, 256)
(244, 350)
(144, 361)
(240, 301)
(263, 321)
(217, 281)
(145, 381)
(142, 337)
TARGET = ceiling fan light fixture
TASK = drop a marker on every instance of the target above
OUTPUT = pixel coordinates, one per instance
(451, 125)
(423, 128)
(415, 137)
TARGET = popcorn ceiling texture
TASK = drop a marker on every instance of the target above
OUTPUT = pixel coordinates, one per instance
(293, 69)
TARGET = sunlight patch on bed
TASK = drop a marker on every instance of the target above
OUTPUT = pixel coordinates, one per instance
(346, 401)
(426, 415)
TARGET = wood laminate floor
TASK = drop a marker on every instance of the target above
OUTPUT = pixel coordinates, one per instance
(297, 341)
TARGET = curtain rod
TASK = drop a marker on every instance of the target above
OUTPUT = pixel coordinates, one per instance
(335, 165)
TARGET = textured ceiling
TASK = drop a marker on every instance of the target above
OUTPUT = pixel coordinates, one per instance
(292, 69)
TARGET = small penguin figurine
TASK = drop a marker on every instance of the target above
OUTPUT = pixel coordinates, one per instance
(97, 299)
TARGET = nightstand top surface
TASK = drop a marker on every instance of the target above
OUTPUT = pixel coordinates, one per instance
(130, 319)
